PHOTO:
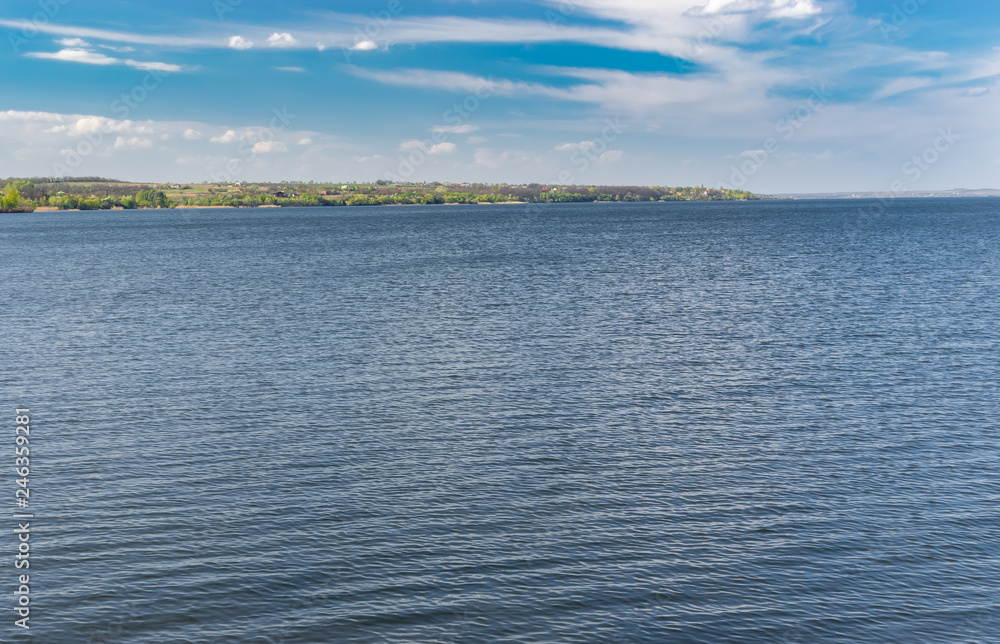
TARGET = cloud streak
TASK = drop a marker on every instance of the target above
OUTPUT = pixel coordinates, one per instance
(86, 57)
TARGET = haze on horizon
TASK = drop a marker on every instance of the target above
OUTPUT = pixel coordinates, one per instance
(773, 96)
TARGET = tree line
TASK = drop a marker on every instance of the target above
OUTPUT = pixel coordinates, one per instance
(94, 193)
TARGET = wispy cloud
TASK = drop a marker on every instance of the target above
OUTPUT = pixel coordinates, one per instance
(901, 85)
(297, 70)
(73, 42)
(114, 36)
(454, 129)
(87, 57)
(76, 56)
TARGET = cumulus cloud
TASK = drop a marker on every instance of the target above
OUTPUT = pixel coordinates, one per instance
(443, 148)
(239, 42)
(73, 42)
(284, 39)
(93, 124)
(192, 134)
(229, 137)
(364, 45)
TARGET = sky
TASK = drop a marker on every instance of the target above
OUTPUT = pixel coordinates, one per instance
(773, 96)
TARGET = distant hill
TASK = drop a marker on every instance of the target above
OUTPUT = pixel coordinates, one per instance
(914, 194)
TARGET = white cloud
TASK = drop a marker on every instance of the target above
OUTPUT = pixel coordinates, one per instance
(772, 9)
(410, 146)
(75, 56)
(572, 147)
(117, 49)
(151, 66)
(127, 149)
(490, 159)
(455, 129)
(284, 39)
(291, 69)
(364, 45)
(73, 42)
(229, 137)
(611, 156)
(92, 124)
(976, 92)
(263, 147)
(306, 141)
(900, 86)
(42, 117)
(86, 57)
(239, 42)
(415, 144)
(132, 143)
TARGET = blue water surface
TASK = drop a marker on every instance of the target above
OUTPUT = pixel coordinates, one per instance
(683, 422)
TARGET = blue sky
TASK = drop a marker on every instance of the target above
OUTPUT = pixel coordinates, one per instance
(768, 95)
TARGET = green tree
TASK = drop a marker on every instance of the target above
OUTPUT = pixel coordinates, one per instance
(152, 199)
(11, 201)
